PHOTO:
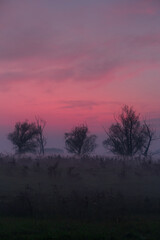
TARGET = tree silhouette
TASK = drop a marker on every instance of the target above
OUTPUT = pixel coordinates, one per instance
(149, 133)
(128, 136)
(41, 140)
(24, 137)
(79, 142)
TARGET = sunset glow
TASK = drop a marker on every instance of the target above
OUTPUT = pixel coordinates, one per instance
(73, 62)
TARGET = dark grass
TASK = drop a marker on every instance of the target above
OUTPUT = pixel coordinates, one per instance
(91, 198)
(139, 227)
(88, 188)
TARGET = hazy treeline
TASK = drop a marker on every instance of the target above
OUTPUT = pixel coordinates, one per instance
(128, 136)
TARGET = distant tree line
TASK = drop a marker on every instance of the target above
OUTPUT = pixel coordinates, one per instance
(128, 136)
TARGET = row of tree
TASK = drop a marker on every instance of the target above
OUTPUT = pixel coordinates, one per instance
(128, 136)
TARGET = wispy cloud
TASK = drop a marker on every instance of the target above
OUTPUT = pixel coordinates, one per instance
(80, 45)
(86, 104)
(83, 56)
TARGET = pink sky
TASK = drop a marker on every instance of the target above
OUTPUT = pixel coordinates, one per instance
(78, 61)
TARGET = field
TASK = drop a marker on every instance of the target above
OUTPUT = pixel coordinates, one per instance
(98, 197)
(138, 228)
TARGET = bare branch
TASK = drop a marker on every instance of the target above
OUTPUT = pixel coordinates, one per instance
(79, 142)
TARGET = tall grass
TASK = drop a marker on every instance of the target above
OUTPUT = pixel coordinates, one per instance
(84, 188)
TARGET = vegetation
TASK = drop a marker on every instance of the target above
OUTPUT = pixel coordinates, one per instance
(41, 140)
(139, 228)
(89, 198)
(24, 137)
(128, 136)
(88, 188)
(79, 142)
(55, 197)
(28, 137)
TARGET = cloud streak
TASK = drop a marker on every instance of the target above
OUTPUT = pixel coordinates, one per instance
(84, 57)
(85, 104)
(74, 45)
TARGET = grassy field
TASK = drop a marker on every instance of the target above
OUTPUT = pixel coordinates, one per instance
(93, 198)
(85, 188)
(140, 228)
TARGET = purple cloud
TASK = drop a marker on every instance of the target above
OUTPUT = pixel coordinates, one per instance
(86, 104)
(57, 41)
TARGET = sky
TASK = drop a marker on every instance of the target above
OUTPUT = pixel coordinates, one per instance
(77, 61)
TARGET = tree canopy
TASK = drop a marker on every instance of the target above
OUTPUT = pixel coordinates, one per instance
(24, 137)
(79, 142)
(128, 136)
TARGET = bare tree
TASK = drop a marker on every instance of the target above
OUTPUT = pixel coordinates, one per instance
(24, 137)
(128, 136)
(149, 133)
(41, 140)
(79, 142)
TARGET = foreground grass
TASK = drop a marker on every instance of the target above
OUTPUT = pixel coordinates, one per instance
(140, 228)
(109, 199)
(88, 188)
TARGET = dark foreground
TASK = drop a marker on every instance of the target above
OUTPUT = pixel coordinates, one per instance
(139, 227)
(108, 198)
